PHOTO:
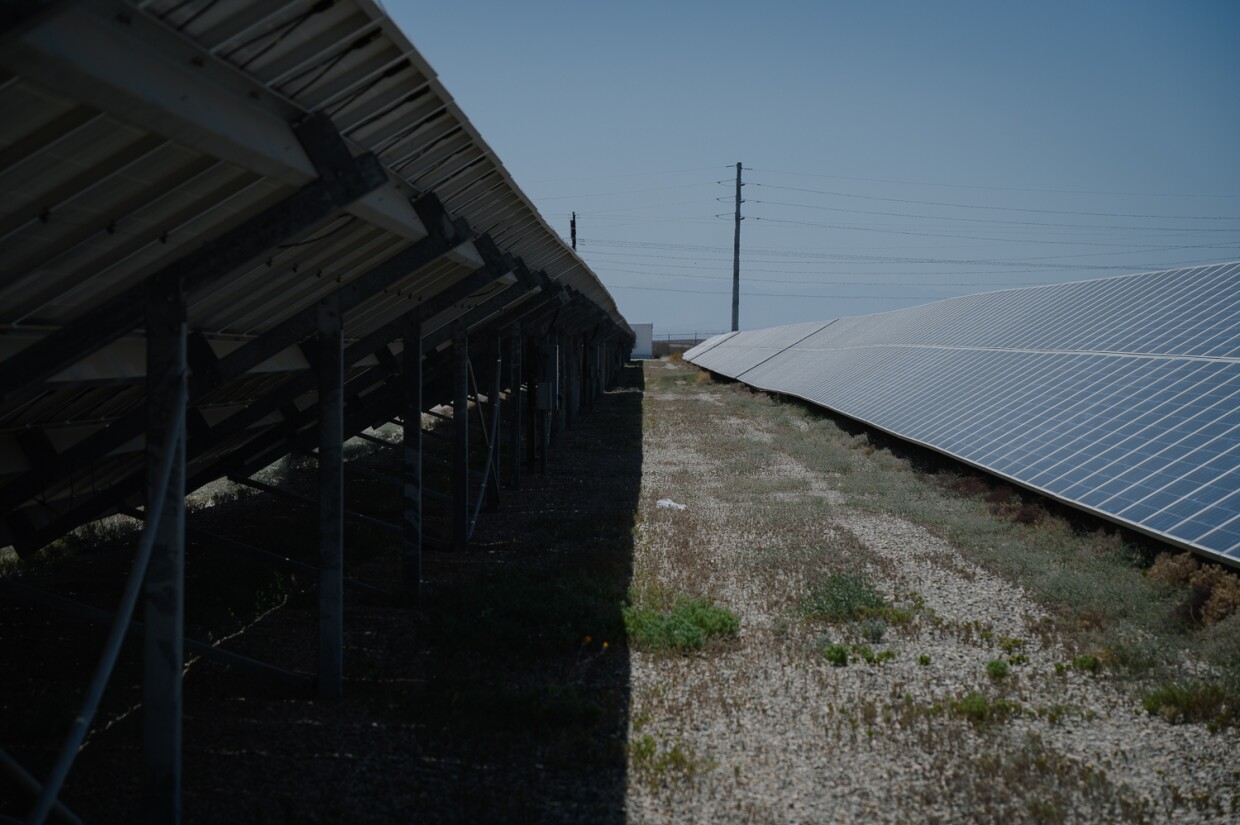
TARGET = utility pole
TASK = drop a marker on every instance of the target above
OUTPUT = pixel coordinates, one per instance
(736, 257)
(572, 228)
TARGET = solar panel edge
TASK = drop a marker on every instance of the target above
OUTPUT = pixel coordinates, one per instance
(1173, 318)
(1232, 561)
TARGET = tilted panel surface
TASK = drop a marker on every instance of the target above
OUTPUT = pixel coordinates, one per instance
(745, 350)
(1120, 395)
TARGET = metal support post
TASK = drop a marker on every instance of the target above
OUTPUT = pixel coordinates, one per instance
(411, 424)
(494, 457)
(532, 377)
(163, 589)
(514, 415)
(331, 499)
(570, 381)
(460, 426)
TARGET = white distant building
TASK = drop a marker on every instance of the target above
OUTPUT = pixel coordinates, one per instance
(644, 347)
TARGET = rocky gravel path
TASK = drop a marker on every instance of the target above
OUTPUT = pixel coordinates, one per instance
(768, 731)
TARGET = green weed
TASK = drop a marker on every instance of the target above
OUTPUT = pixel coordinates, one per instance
(687, 626)
(842, 597)
(1192, 702)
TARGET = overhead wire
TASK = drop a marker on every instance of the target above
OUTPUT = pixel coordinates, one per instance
(1000, 188)
(1089, 227)
(1040, 241)
(775, 294)
(1001, 208)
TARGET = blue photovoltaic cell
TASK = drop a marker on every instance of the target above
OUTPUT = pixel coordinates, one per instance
(1117, 395)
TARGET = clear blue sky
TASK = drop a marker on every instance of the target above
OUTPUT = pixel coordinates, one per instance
(895, 152)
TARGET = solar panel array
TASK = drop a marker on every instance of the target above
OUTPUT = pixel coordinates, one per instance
(1120, 396)
(282, 152)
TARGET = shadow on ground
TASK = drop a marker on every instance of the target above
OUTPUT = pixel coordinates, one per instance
(503, 697)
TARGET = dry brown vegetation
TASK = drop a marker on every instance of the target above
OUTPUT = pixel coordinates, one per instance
(1214, 592)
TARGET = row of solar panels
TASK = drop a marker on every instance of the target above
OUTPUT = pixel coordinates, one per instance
(1120, 396)
(269, 155)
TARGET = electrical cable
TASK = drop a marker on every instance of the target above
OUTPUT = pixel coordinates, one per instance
(994, 220)
(623, 192)
(1138, 247)
(1003, 208)
(998, 188)
(723, 293)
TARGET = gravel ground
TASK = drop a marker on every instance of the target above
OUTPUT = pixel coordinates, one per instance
(771, 732)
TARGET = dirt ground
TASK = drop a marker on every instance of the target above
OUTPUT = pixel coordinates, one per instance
(511, 693)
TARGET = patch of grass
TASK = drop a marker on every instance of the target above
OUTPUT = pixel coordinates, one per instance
(997, 669)
(923, 660)
(977, 708)
(657, 760)
(1010, 645)
(1087, 663)
(687, 626)
(842, 597)
(1192, 702)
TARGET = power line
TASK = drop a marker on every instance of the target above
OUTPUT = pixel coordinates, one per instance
(901, 259)
(627, 175)
(1002, 208)
(781, 294)
(1138, 247)
(1001, 188)
(993, 220)
(623, 192)
(929, 285)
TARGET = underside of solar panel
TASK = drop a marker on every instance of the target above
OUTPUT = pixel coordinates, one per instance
(1119, 396)
(265, 156)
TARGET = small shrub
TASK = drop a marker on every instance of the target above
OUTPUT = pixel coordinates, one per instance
(1028, 514)
(1214, 592)
(1173, 569)
(999, 495)
(977, 708)
(873, 630)
(923, 660)
(687, 626)
(884, 656)
(1192, 702)
(837, 655)
(969, 486)
(842, 597)
(864, 653)
(1222, 591)
(1086, 662)
(1010, 645)
(997, 669)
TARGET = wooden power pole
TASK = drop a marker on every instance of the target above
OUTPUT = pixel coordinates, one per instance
(572, 228)
(736, 257)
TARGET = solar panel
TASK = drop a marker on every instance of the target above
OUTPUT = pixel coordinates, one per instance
(1120, 396)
